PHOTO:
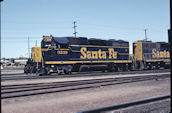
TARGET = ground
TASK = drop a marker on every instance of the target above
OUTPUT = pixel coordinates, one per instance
(74, 101)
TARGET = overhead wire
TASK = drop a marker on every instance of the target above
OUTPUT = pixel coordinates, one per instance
(6, 38)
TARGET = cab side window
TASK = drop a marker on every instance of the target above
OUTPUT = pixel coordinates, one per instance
(63, 45)
(47, 45)
(53, 43)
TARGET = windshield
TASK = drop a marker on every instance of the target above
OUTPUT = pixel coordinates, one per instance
(46, 44)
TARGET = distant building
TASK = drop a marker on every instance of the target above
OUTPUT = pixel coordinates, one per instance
(6, 62)
(13, 61)
(20, 61)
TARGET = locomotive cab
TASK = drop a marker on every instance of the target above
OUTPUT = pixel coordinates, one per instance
(55, 50)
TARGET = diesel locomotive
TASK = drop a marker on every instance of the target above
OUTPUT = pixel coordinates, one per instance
(70, 54)
(151, 55)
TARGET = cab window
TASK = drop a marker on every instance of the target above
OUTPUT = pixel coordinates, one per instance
(63, 45)
(47, 45)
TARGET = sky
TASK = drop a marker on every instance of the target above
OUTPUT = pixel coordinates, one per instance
(103, 19)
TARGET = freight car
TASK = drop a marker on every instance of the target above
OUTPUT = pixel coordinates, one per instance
(69, 54)
(151, 55)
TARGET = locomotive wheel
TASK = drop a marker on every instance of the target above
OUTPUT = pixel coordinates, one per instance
(104, 70)
(67, 72)
(115, 68)
(26, 70)
(70, 72)
(48, 72)
(112, 69)
(67, 69)
(124, 68)
(59, 72)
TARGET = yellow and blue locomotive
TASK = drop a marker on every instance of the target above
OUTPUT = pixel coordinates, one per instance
(69, 54)
(151, 55)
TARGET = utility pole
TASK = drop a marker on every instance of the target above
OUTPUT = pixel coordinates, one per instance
(36, 43)
(145, 35)
(28, 48)
(74, 27)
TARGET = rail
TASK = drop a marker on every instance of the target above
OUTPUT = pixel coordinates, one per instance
(124, 105)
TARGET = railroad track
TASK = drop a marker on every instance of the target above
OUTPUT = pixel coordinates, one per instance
(79, 74)
(12, 91)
